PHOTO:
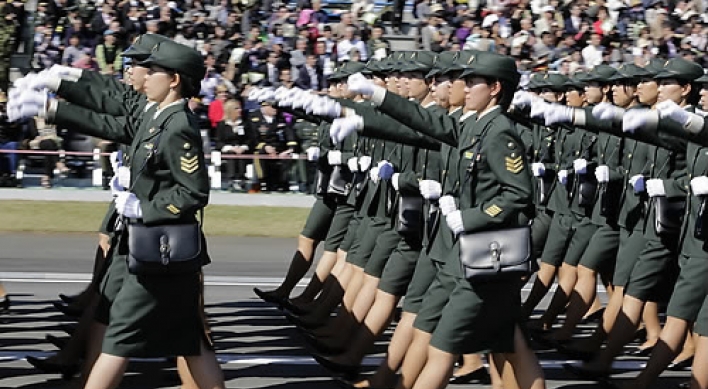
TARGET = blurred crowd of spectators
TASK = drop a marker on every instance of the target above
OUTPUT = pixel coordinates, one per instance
(271, 43)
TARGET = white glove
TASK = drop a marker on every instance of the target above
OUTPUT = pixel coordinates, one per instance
(669, 109)
(538, 169)
(364, 163)
(22, 83)
(313, 153)
(394, 180)
(358, 83)
(454, 221)
(26, 111)
(655, 187)
(280, 93)
(699, 186)
(447, 205)
(334, 157)
(385, 169)
(608, 111)
(226, 148)
(430, 189)
(327, 107)
(693, 122)
(343, 127)
(523, 99)
(123, 174)
(45, 80)
(563, 177)
(556, 113)
(253, 93)
(353, 164)
(539, 108)
(637, 119)
(128, 205)
(116, 159)
(602, 173)
(66, 72)
(374, 174)
(637, 183)
(310, 102)
(116, 187)
(301, 98)
(266, 94)
(580, 166)
(37, 99)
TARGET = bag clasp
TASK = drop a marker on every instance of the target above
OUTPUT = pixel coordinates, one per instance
(164, 250)
(495, 251)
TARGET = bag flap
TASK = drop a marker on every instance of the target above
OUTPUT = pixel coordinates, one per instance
(513, 246)
(176, 242)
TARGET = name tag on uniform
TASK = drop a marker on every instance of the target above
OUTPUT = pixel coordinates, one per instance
(239, 130)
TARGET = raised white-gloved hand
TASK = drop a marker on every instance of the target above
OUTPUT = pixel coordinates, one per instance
(538, 169)
(327, 107)
(301, 97)
(669, 109)
(655, 187)
(385, 169)
(353, 164)
(608, 111)
(364, 163)
(454, 221)
(430, 189)
(447, 205)
(280, 93)
(691, 121)
(123, 174)
(358, 83)
(539, 108)
(556, 113)
(563, 177)
(602, 173)
(45, 80)
(523, 99)
(343, 127)
(66, 72)
(334, 157)
(394, 180)
(699, 186)
(128, 205)
(313, 153)
(637, 182)
(227, 148)
(267, 94)
(22, 83)
(638, 119)
(310, 102)
(374, 174)
(253, 93)
(580, 166)
(116, 187)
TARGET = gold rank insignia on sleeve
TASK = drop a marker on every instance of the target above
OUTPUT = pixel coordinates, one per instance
(514, 165)
(493, 210)
(174, 210)
(189, 165)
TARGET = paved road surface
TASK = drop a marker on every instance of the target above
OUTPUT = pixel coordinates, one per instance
(256, 345)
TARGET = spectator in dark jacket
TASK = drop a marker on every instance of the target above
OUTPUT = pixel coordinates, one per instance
(310, 75)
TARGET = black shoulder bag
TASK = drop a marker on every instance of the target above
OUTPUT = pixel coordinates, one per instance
(163, 249)
(410, 211)
(493, 255)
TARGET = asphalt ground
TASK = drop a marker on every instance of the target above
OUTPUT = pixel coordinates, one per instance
(256, 346)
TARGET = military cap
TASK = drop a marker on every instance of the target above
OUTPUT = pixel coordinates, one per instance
(653, 67)
(576, 81)
(555, 81)
(702, 80)
(462, 60)
(352, 67)
(419, 61)
(627, 72)
(680, 69)
(487, 64)
(335, 75)
(142, 47)
(179, 58)
(601, 73)
(399, 60)
(443, 61)
(372, 66)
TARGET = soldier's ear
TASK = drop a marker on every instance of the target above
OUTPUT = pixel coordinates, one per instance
(176, 81)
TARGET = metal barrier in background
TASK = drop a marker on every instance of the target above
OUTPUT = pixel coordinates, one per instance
(215, 161)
